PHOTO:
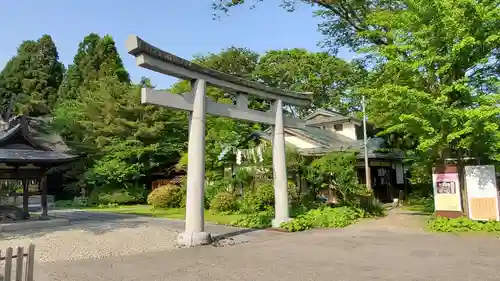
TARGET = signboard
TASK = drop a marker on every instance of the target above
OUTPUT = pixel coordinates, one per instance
(447, 200)
(482, 192)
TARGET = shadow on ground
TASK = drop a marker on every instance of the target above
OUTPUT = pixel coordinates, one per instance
(99, 223)
(96, 223)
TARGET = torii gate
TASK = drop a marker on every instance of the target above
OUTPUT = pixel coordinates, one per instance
(198, 105)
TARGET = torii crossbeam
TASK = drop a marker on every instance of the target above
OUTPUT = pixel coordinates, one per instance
(198, 104)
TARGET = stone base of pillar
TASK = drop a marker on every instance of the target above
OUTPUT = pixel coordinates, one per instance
(276, 223)
(192, 239)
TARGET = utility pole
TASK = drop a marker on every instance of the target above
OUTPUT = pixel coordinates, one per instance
(365, 141)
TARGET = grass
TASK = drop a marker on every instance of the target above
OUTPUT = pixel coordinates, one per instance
(173, 213)
(422, 205)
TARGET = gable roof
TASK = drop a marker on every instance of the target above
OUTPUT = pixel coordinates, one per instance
(25, 139)
(329, 141)
(333, 117)
(324, 112)
(324, 138)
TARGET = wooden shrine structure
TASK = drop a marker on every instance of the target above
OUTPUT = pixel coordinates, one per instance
(28, 152)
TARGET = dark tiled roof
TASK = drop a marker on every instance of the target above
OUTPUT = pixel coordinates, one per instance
(331, 141)
(31, 155)
(43, 145)
(47, 140)
(8, 132)
(325, 137)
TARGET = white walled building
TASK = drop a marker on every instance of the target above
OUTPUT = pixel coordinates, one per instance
(328, 131)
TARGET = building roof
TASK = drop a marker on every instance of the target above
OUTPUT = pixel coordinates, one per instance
(332, 117)
(32, 156)
(25, 139)
(329, 141)
(324, 137)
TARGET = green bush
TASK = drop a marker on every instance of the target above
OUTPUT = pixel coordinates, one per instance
(462, 224)
(371, 207)
(260, 219)
(167, 196)
(120, 197)
(224, 202)
(182, 201)
(323, 217)
(258, 200)
(262, 198)
(297, 224)
(421, 204)
(213, 188)
(110, 205)
(69, 204)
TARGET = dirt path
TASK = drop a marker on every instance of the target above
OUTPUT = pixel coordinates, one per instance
(397, 220)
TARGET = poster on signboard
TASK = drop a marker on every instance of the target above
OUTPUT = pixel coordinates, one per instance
(482, 193)
(447, 200)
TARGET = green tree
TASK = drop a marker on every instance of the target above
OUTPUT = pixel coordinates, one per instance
(32, 77)
(96, 58)
(438, 85)
(123, 141)
(337, 171)
(434, 82)
(342, 20)
(329, 78)
(222, 131)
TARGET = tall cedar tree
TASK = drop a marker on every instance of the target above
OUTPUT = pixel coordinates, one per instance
(32, 77)
(96, 58)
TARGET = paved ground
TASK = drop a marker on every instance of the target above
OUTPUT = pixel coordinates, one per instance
(100, 235)
(392, 248)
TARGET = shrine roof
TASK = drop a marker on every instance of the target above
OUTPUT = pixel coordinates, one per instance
(33, 156)
(26, 139)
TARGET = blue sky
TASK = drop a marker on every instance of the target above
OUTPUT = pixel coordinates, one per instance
(182, 27)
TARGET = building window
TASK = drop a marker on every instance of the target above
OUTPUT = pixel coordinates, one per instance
(338, 127)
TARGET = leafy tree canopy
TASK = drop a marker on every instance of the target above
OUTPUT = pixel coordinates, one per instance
(32, 77)
(96, 57)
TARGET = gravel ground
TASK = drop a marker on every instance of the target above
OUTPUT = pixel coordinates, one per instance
(363, 252)
(94, 241)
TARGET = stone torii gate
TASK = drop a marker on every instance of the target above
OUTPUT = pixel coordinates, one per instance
(198, 105)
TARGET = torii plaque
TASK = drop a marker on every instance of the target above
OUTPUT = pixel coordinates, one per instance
(198, 104)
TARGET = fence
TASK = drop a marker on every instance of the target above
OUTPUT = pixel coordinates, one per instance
(19, 259)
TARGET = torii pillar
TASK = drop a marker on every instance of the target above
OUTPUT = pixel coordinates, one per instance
(194, 233)
(281, 213)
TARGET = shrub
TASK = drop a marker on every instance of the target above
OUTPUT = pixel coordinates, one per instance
(213, 188)
(297, 224)
(263, 197)
(323, 217)
(167, 196)
(224, 202)
(66, 204)
(337, 170)
(182, 201)
(117, 197)
(260, 219)
(121, 197)
(462, 224)
(258, 200)
(371, 207)
(421, 204)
